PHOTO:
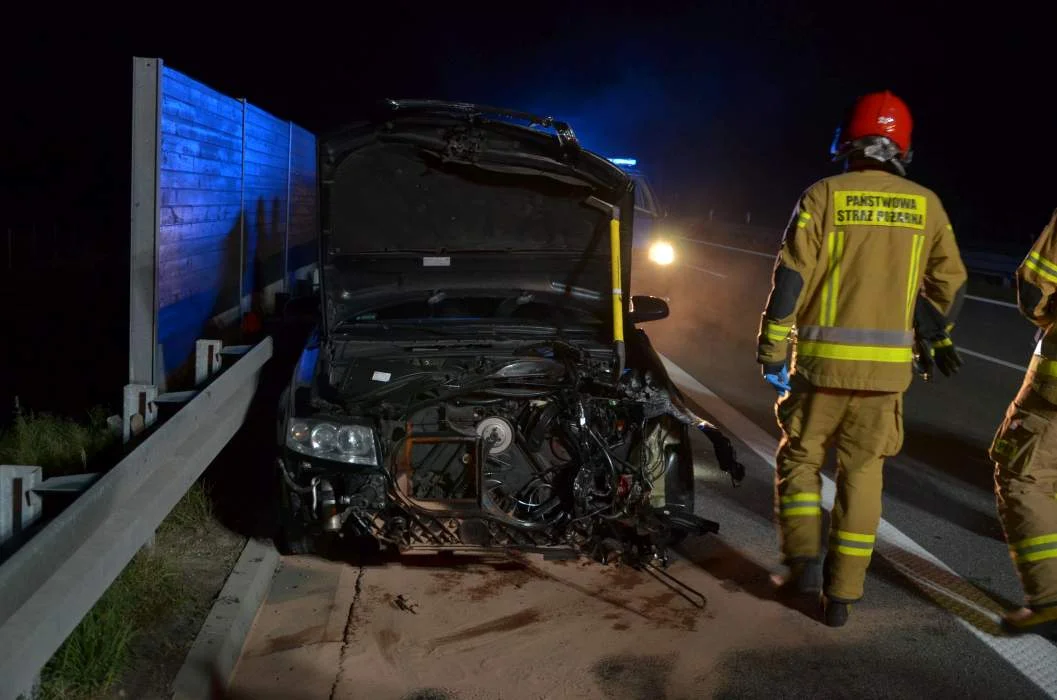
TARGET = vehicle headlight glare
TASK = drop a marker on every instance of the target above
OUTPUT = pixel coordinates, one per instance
(299, 431)
(662, 253)
(354, 440)
(352, 444)
(324, 437)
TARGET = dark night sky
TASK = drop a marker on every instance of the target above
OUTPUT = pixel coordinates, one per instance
(731, 109)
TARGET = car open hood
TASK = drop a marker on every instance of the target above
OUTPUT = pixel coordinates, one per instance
(429, 192)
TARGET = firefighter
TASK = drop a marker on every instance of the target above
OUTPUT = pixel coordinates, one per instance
(845, 294)
(1024, 449)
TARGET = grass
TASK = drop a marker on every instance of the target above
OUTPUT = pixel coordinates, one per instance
(191, 514)
(59, 445)
(99, 649)
(147, 592)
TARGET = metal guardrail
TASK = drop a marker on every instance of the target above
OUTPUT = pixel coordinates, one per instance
(55, 578)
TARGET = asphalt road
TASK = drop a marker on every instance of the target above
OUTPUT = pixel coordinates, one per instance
(543, 630)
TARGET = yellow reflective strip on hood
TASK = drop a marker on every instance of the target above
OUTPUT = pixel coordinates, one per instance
(866, 353)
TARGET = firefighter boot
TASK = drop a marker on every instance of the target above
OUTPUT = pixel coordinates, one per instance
(1040, 620)
(804, 579)
(835, 612)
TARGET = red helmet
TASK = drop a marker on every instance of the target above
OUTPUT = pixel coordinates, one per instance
(878, 127)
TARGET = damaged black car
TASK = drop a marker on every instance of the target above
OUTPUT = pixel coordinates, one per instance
(476, 380)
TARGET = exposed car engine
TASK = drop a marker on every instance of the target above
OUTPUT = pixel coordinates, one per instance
(537, 452)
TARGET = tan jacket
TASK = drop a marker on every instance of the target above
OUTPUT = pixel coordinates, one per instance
(856, 252)
(1036, 286)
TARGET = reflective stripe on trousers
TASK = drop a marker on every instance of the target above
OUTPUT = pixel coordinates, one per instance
(799, 504)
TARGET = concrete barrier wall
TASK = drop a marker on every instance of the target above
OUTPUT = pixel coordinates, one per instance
(234, 204)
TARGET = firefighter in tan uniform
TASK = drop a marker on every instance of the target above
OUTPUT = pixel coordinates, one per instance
(859, 248)
(1025, 448)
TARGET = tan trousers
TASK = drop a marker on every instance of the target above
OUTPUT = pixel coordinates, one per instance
(864, 427)
(1025, 454)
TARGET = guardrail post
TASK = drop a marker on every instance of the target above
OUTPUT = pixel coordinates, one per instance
(141, 412)
(19, 508)
(141, 409)
(208, 360)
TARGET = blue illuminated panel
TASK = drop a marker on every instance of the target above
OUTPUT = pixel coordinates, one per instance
(304, 224)
(200, 202)
(265, 176)
(225, 182)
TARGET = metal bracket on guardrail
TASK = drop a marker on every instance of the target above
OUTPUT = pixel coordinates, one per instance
(140, 409)
(19, 506)
(208, 360)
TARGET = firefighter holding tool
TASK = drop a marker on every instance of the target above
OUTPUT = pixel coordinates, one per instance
(1024, 449)
(868, 268)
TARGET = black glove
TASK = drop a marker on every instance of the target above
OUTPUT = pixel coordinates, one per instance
(946, 356)
(933, 344)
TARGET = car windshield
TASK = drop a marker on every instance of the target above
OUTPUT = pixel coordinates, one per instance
(476, 309)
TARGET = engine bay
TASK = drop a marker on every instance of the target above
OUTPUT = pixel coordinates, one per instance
(535, 447)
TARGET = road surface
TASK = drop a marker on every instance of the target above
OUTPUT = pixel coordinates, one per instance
(536, 629)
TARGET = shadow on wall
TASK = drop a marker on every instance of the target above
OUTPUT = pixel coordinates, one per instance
(214, 312)
(199, 316)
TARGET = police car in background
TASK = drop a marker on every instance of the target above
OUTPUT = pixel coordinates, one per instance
(649, 236)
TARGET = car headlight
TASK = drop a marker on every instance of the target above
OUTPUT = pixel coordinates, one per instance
(662, 253)
(352, 444)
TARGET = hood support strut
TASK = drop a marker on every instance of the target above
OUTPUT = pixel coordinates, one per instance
(618, 295)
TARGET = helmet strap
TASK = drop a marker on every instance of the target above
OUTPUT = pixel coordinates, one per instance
(876, 148)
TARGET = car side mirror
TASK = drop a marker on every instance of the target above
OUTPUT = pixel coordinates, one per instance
(647, 308)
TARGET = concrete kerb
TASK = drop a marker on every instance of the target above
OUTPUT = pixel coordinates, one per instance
(219, 643)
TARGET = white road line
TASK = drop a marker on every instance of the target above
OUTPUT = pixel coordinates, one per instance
(997, 361)
(729, 247)
(701, 269)
(1030, 654)
(996, 302)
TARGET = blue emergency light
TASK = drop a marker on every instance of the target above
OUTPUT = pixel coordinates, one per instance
(630, 162)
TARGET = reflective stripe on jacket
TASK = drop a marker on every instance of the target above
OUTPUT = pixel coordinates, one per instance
(859, 248)
(1036, 286)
